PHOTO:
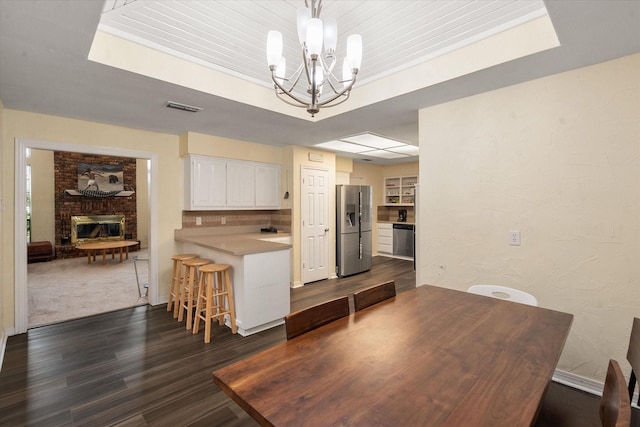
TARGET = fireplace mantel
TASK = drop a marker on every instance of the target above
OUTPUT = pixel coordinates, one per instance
(120, 194)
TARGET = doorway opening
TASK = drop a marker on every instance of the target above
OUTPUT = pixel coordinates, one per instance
(20, 244)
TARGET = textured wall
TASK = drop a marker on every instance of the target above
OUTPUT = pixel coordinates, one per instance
(558, 159)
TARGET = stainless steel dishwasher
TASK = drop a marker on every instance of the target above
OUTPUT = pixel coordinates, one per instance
(403, 240)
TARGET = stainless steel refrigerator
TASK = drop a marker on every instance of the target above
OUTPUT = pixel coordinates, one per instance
(353, 233)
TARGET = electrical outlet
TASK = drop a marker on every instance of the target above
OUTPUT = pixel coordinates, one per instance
(223, 220)
(514, 238)
(198, 220)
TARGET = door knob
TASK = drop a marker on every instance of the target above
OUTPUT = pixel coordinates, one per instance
(326, 229)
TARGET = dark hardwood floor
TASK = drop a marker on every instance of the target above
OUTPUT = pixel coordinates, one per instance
(139, 366)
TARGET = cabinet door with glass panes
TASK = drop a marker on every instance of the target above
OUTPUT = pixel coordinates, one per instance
(400, 190)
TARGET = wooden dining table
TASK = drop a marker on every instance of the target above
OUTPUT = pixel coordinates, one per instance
(430, 356)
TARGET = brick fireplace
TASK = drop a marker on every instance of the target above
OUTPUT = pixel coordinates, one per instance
(68, 206)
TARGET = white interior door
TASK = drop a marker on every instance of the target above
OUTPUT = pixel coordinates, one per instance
(315, 224)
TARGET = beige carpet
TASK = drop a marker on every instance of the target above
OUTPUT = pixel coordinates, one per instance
(70, 288)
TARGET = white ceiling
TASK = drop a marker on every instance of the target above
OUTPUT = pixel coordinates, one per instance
(230, 36)
(44, 45)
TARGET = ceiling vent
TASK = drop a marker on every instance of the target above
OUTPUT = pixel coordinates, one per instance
(183, 107)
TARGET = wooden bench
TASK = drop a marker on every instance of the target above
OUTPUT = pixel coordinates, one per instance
(39, 251)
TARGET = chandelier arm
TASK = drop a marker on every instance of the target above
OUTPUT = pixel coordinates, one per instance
(346, 97)
(345, 90)
(333, 88)
(297, 74)
(328, 69)
(286, 92)
(287, 101)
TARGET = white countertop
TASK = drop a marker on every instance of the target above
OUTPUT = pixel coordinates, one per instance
(396, 222)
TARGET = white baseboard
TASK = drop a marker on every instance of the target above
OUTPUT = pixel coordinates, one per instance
(578, 382)
(585, 384)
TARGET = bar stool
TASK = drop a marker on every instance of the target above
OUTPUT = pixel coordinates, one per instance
(176, 281)
(215, 298)
(189, 291)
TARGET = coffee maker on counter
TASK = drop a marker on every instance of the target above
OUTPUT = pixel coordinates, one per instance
(402, 215)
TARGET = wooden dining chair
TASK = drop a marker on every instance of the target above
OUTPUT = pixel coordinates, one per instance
(505, 293)
(373, 295)
(302, 321)
(615, 407)
(633, 356)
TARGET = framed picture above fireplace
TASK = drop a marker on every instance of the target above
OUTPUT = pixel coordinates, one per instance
(100, 177)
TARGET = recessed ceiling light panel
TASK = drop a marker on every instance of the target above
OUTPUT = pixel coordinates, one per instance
(373, 141)
(411, 150)
(342, 146)
(384, 154)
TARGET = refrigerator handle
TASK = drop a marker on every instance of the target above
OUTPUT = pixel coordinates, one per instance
(359, 224)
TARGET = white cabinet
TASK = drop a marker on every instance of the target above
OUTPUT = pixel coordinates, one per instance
(267, 186)
(217, 184)
(400, 190)
(207, 180)
(385, 238)
(240, 184)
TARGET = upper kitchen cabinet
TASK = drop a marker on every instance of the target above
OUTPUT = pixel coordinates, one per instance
(219, 184)
(267, 186)
(400, 190)
(207, 180)
(241, 187)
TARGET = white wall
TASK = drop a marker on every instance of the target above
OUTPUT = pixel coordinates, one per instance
(558, 159)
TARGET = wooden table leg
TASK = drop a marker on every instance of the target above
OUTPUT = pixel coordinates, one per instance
(88, 256)
(104, 256)
(127, 251)
(120, 254)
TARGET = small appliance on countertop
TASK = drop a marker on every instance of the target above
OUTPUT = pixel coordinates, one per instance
(402, 215)
(269, 230)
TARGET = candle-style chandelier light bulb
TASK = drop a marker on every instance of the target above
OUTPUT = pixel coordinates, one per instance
(315, 75)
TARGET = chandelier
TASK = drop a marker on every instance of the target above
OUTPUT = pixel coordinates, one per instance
(316, 74)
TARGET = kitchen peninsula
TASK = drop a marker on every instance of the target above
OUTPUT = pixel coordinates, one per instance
(260, 272)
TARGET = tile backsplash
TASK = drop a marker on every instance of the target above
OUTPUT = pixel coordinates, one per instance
(280, 219)
(391, 213)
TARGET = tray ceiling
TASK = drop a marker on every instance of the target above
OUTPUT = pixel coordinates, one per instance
(230, 36)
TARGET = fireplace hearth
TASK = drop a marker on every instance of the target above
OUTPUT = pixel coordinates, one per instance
(97, 228)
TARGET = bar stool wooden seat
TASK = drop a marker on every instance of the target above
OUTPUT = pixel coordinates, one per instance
(190, 281)
(176, 281)
(215, 298)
